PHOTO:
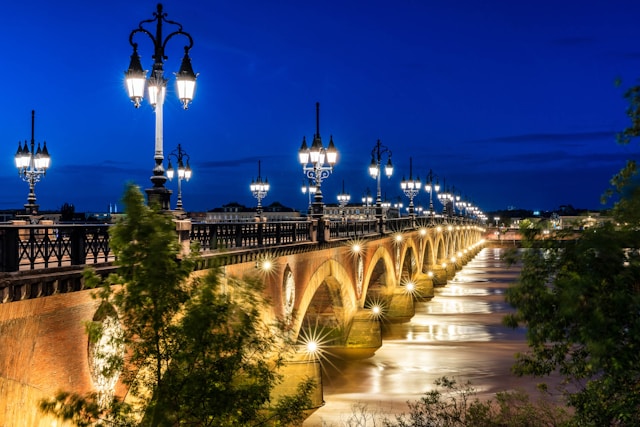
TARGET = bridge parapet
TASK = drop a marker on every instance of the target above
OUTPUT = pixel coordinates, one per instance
(38, 260)
(46, 246)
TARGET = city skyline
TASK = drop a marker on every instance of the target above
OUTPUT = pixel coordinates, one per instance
(513, 104)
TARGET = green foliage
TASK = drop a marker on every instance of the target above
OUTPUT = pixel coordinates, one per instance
(226, 361)
(453, 405)
(580, 300)
(625, 185)
(84, 411)
(197, 350)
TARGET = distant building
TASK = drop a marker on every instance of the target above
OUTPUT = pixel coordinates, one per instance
(358, 211)
(580, 222)
(234, 211)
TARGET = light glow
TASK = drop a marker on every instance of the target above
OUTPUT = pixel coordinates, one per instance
(356, 246)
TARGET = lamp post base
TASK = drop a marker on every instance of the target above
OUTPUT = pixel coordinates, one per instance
(317, 210)
(160, 196)
(31, 208)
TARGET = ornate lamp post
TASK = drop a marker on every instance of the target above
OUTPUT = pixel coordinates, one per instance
(446, 199)
(374, 170)
(183, 172)
(32, 166)
(308, 188)
(317, 163)
(343, 200)
(136, 81)
(259, 188)
(431, 187)
(411, 187)
(367, 200)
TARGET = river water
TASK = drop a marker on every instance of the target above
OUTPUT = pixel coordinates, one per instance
(457, 334)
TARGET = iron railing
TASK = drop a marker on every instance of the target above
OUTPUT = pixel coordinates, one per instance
(38, 247)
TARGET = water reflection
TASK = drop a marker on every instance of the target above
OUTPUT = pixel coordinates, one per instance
(459, 333)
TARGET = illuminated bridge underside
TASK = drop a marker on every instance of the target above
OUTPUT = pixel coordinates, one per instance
(341, 293)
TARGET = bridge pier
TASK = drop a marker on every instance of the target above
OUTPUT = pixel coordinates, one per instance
(401, 307)
(424, 287)
(364, 337)
(450, 270)
(439, 275)
(297, 369)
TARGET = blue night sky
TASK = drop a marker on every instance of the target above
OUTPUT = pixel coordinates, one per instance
(514, 103)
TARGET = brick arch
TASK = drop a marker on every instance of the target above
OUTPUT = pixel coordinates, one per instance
(449, 243)
(409, 247)
(381, 255)
(440, 251)
(428, 255)
(341, 287)
(456, 245)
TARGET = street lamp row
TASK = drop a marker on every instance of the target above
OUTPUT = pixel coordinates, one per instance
(317, 161)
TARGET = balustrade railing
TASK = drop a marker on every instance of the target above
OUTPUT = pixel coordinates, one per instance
(348, 229)
(233, 235)
(37, 247)
(31, 247)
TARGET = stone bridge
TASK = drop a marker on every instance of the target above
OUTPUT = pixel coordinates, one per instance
(335, 294)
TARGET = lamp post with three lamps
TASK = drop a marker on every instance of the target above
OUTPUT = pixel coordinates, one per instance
(184, 172)
(343, 200)
(317, 164)
(259, 189)
(374, 170)
(431, 187)
(411, 187)
(136, 81)
(32, 166)
(367, 201)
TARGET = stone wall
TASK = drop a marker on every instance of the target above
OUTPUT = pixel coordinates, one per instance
(43, 349)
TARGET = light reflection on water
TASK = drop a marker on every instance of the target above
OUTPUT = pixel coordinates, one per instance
(459, 333)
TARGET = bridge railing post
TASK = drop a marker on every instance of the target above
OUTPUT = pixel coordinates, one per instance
(183, 228)
(313, 230)
(260, 233)
(78, 254)
(238, 237)
(9, 251)
(316, 230)
(324, 230)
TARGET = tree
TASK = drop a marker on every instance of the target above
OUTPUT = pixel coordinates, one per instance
(196, 353)
(580, 301)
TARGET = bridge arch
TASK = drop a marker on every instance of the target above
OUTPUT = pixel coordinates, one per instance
(428, 255)
(379, 279)
(409, 262)
(440, 253)
(329, 299)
